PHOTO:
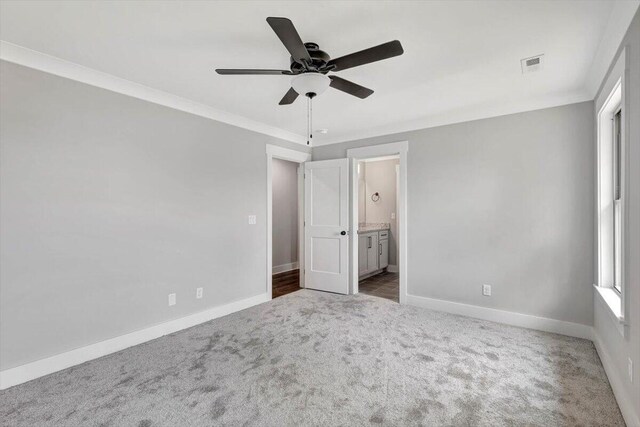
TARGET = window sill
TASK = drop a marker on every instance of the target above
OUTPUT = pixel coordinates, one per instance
(612, 303)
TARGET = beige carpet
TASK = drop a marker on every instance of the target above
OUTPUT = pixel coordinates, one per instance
(311, 358)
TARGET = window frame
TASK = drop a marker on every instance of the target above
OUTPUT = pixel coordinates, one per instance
(610, 99)
(617, 178)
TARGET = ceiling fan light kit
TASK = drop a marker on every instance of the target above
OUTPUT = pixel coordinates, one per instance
(307, 83)
(310, 66)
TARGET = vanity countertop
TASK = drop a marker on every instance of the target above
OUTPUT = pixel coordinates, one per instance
(368, 227)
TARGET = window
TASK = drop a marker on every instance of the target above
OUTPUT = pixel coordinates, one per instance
(617, 200)
(611, 151)
(611, 192)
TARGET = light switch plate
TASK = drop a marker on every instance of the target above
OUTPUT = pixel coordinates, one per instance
(252, 219)
(486, 290)
(393, 215)
(172, 299)
(198, 293)
(630, 369)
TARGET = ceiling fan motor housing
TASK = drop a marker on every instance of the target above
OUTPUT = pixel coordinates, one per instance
(319, 59)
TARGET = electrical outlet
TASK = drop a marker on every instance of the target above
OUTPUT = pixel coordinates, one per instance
(393, 215)
(172, 299)
(486, 290)
(630, 369)
(252, 219)
(198, 293)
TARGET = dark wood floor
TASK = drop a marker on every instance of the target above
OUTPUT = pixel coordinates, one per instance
(285, 283)
(383, 285)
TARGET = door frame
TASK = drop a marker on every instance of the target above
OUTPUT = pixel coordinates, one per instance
(277, 152)
(355, 155)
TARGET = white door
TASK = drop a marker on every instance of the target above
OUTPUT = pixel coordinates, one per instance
(326, 216)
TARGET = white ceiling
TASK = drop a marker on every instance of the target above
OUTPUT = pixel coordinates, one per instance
(461, 61)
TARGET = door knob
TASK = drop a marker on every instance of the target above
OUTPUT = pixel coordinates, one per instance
(343, 233)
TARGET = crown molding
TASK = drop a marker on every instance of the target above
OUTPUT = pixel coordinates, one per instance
(617, 25)
(621, 16)
(461, 115)
(50, 64)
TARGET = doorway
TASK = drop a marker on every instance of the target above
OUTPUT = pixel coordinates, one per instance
(285, 215)
(285, 220)
(378, 227)
(328, 251)
(391, 274)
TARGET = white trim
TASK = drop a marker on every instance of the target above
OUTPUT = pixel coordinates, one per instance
(50, 64)
(395, 268)
(621, 16)
(624, 400)
(27, 372)
(501, 316)
(277, 152)
(354, 220)
(612, 95)
(301, 222)
(611, 299)
(381, 159)
(284, 267)
(391, 150)
(616, 77)
(356, 154)
(460, 115)
(619, 20)
(392, 268)
(612, 304)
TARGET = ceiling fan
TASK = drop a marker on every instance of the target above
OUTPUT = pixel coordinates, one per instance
(309, 65)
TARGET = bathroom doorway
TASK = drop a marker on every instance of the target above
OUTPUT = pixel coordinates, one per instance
(379, 243)
(378, 227)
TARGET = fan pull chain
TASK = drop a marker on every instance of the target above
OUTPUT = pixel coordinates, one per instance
(309, 120)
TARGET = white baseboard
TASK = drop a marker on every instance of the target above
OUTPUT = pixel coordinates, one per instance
(392, 268)
(39, 368)
(501, 316)
(284, 267)
(625, 401)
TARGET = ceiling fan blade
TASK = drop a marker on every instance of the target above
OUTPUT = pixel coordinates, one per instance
(290, 38)
(289, 97)
(349, 87)
(373, 54)
(240, 71)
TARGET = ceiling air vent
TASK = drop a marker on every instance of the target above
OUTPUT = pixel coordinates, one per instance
(535, 63)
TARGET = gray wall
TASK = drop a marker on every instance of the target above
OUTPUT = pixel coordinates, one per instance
(285, 212)
(506, 201)
(108, 204)
(621, 348)
(380, 176)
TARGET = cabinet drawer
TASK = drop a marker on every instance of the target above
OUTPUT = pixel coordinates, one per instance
(384, 234)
